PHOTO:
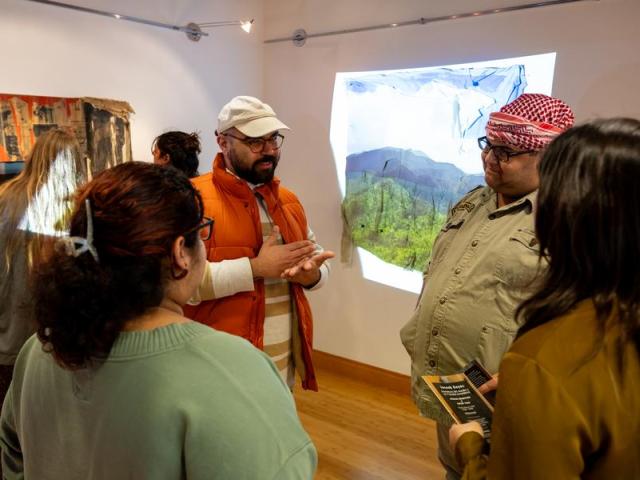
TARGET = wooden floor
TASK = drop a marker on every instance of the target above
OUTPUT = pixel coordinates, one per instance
(367, 433)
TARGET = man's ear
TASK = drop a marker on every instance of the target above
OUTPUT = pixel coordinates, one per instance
(222, 143)
(164, 159)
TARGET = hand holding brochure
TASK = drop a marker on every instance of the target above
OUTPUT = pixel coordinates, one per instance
(461, 399)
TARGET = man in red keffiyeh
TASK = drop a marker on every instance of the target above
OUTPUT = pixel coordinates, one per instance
(515, 137)
(485, 258)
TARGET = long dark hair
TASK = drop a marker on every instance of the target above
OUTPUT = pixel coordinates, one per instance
(182, 148)
(137, 211)
(588, 225)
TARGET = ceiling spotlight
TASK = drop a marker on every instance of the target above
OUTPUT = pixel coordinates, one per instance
(192, 30)
(246, 25)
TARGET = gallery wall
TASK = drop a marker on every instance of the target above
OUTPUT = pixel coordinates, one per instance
(170, 81)
(597, 68)
(173, 83)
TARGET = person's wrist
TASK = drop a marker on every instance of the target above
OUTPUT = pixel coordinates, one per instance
(314, 281)
(470, 445)
(256, 268)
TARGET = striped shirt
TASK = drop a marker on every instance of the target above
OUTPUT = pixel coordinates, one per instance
(278, 316)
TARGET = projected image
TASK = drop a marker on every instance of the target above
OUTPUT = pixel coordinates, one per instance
(405, 144)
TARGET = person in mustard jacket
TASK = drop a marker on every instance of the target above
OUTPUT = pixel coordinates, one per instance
(568, 400)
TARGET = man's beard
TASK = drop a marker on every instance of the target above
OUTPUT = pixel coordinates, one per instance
(254, 174)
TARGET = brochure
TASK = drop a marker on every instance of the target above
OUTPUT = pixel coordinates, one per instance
(460, 397)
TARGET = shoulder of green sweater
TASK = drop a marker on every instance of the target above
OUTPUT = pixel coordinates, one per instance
(176, 336)
(210, 335)
(223, 342)
(301, 463)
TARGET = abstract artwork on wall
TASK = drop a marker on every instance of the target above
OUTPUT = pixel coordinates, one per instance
(102, 130)
(101, 126)
(405, 147)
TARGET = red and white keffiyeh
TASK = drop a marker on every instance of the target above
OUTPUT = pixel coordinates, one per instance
(530, 122)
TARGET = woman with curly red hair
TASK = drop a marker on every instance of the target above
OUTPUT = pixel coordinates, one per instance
(118, 383)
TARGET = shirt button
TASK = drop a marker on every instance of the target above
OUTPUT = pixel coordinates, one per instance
(474, 243)
(434, 332)
(432, 363)
(457, 271)
(443, 300)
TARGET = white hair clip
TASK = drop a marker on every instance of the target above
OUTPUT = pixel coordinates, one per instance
(75, 246)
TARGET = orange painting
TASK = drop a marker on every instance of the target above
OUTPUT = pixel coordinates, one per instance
(101, 126)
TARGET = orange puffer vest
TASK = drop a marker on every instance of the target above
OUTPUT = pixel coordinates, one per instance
(237, 233)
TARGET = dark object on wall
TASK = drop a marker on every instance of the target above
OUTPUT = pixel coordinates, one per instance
(8, 170)
(101, 127)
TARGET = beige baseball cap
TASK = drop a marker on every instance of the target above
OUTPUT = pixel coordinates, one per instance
(249, 115)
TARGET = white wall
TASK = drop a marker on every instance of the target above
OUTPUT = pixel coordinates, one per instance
(174, 83)
(597, 71)
(170, 81)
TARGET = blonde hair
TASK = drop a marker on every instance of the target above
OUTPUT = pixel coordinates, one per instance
(41, 194)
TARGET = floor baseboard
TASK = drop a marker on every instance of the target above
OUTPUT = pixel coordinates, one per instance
(374, 376)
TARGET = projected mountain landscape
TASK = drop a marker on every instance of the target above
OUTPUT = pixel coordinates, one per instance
(397, 200)
(405, 146)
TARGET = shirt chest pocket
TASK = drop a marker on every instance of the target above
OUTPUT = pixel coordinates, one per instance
(519, 265)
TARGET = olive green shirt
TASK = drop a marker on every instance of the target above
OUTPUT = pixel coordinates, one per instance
(564, 407)
(483, 264)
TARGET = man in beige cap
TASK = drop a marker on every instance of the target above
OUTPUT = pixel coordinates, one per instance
(264, 254)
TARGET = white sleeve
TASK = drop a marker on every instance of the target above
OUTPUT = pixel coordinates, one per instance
(223, 279)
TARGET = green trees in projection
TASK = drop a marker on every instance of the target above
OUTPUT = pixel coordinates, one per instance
(391, 221)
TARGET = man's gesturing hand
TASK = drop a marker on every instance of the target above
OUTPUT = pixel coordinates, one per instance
(273, 259)
(307, 271)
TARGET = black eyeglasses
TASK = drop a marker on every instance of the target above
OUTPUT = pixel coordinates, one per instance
(205, 229)
(256, 145)
(502, 154)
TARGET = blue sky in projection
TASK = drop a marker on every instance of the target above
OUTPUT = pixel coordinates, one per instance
(440, 112)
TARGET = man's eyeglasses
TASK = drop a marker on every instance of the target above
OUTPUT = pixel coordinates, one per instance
(256, 145)
(204, 229)
(502, 154)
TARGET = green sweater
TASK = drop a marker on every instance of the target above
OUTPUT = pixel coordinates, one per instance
(179, 402)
